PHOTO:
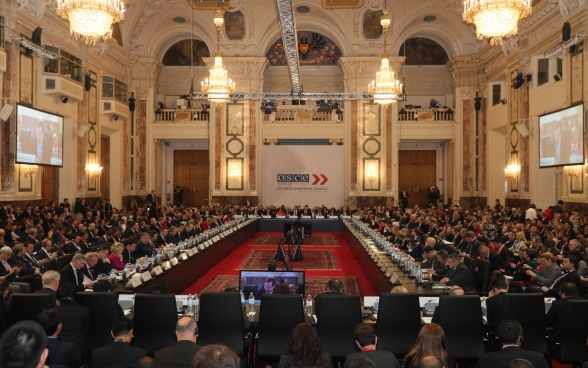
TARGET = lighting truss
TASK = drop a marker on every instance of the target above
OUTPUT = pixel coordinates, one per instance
(579, 37)
(36, 48)
(290, 41)
(287, 96)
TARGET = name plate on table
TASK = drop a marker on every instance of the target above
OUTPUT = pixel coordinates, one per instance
(174, 261)
(201, 246)
(394, 280)
(238, 216)
(345, 217)
(134, 282)
(183, 257)
(216, 238)
(190, 252)
(208, 243)
(156, 271)
(266, 216)
(280, 217)
(333, 217)
(221, 235)
(145, 276)
(166, 265)
(388, 273)
(194, 250)
(305, 217)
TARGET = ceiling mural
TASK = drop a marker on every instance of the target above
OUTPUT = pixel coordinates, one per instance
(179, 54)
(313, 49)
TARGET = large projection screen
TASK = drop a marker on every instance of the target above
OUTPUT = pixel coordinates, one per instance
(562, 137)
(302, 175)
(39, 137)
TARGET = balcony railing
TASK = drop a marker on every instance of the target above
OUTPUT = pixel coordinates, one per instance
(426, 114)
(182, 114)
(301, 115)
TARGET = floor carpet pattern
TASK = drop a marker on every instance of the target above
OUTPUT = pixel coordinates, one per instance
(318, 240)
(313, 260)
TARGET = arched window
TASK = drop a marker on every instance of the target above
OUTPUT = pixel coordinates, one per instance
(423, 51)
(179, 54)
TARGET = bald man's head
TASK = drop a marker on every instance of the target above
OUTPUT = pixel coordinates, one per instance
(186, 329)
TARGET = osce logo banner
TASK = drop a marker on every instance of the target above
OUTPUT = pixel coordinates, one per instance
(299, 175)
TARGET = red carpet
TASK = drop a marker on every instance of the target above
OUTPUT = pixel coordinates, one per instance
(323, 240)
(347, 265)
(313, 260)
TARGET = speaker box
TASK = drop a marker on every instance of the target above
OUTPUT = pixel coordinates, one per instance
(87, 82)
(6, 111)
(523, 131)
(83, 129)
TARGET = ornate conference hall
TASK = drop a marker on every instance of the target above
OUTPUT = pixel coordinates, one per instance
(209, 127)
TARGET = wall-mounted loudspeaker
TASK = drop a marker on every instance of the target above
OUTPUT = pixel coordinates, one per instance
(64, 99)
(523, 131)
(83, 129)
(6, 111)
(87, 82)
(518, 81)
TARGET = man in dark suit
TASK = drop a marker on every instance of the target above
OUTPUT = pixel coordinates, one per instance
(555, 315)
(50, 284)
(459, 274)
(334, 286)
(144, 247)
(510, 332)
(268, 288)
(42, 144)
(181, 354)
(569, 265)
(76, 319)
(71, 273)
(495, 261)
(151, 197)
(61, 353)
(471, 245)
(366, 339)
(119, 354)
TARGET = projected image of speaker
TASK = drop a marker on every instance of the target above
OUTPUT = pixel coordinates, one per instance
(561, 137)
(39, 137)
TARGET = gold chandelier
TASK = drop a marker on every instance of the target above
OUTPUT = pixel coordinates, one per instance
(218, 85)
(385, 88)
(91, 20)
(512, 171)
(495, 19)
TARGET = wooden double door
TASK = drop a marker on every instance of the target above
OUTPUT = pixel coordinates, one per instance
(191, 172)
(417, 170)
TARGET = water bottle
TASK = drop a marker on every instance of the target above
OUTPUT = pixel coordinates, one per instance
(137, 266)
(158, 257)
(242, 299)
(309, 305)
(190, 309)
(112, 277)
(484, 306)
(196, 304)
(251, 305)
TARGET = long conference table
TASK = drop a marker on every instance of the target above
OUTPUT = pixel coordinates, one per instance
(186, 273)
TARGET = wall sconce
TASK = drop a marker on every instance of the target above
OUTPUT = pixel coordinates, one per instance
(29, 170)
(573, 171)
(512, 171)
(94, 170)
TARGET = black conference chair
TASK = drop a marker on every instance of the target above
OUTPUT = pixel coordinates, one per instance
(51, 265)
(278, 315)
(529, 311)
(461, 319)
(482, 275)
(29, 306)
(338, 316)
(104, 310)
(572, 347)
(155, 318)
(64, 261)
(399, 322)
(221, 321)
(3, 318)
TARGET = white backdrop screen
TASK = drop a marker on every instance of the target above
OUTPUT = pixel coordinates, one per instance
(302, 175)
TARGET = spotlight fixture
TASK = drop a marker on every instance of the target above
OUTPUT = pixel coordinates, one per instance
(434, 104)
(557, 77)
(204, 108)
(115, 117)
(268, 107)
(324, 105)
(518, 81)
(503, 101)
(64, 99)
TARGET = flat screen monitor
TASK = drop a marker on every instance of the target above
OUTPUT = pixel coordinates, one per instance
(39, 137)
(263, 282)
(561, 137)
